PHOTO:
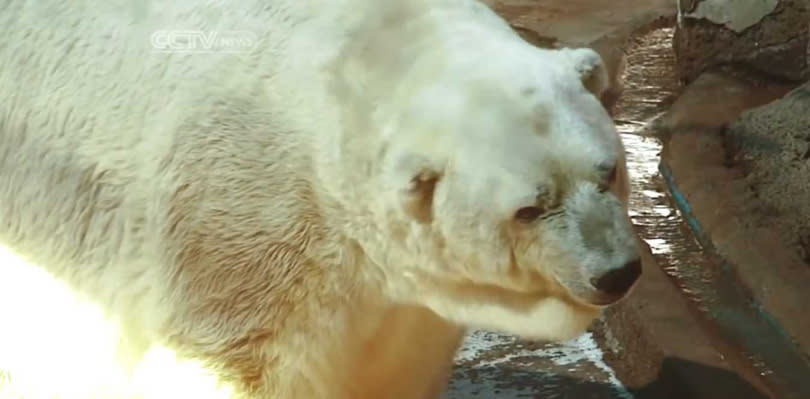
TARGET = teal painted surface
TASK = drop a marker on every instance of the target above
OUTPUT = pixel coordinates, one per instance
(742, 320)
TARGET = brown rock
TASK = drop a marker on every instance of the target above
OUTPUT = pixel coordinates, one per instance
(774, 143)
(771, 37)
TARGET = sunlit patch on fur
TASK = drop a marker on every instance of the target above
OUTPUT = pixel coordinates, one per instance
(54, 345)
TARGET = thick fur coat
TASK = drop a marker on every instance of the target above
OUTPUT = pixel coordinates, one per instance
(324, 213)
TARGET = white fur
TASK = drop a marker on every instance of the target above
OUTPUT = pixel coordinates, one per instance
(258, 211)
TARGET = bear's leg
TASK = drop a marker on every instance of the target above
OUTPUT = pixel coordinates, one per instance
(410, 355)
(407, 354)
(264, 367)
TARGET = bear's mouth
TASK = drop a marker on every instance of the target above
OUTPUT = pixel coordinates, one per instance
(583, 292)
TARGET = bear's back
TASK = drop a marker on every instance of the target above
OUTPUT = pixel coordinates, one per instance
(100, 127)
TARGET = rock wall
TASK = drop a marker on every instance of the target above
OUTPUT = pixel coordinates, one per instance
(771, 37)
(772, 142)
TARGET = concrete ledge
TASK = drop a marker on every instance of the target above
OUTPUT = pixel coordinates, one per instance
(760, 290)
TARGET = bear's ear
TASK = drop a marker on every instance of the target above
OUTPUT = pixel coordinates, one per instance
(416, 179)
(591, 69)
(417, 197)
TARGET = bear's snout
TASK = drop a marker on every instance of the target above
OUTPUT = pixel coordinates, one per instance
(615, 284)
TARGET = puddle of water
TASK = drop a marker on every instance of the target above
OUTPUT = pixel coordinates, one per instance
(651, 84)
(492, 365)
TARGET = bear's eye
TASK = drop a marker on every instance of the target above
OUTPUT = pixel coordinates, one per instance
(528, 214)
(611, 176)
(608, 173)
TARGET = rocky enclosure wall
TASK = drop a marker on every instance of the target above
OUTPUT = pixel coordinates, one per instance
(771, 37)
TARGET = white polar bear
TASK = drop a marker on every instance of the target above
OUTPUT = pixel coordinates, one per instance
(321, 214)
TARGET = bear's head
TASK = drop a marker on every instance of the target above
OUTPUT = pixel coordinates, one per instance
(496, 182)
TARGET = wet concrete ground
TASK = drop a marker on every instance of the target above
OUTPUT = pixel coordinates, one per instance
(751, 340)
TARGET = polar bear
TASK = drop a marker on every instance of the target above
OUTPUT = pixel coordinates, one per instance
(325, 210)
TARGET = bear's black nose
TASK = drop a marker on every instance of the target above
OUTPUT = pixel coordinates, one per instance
(617, 282)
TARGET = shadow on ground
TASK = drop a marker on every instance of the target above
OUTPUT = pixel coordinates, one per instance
(510, 382)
